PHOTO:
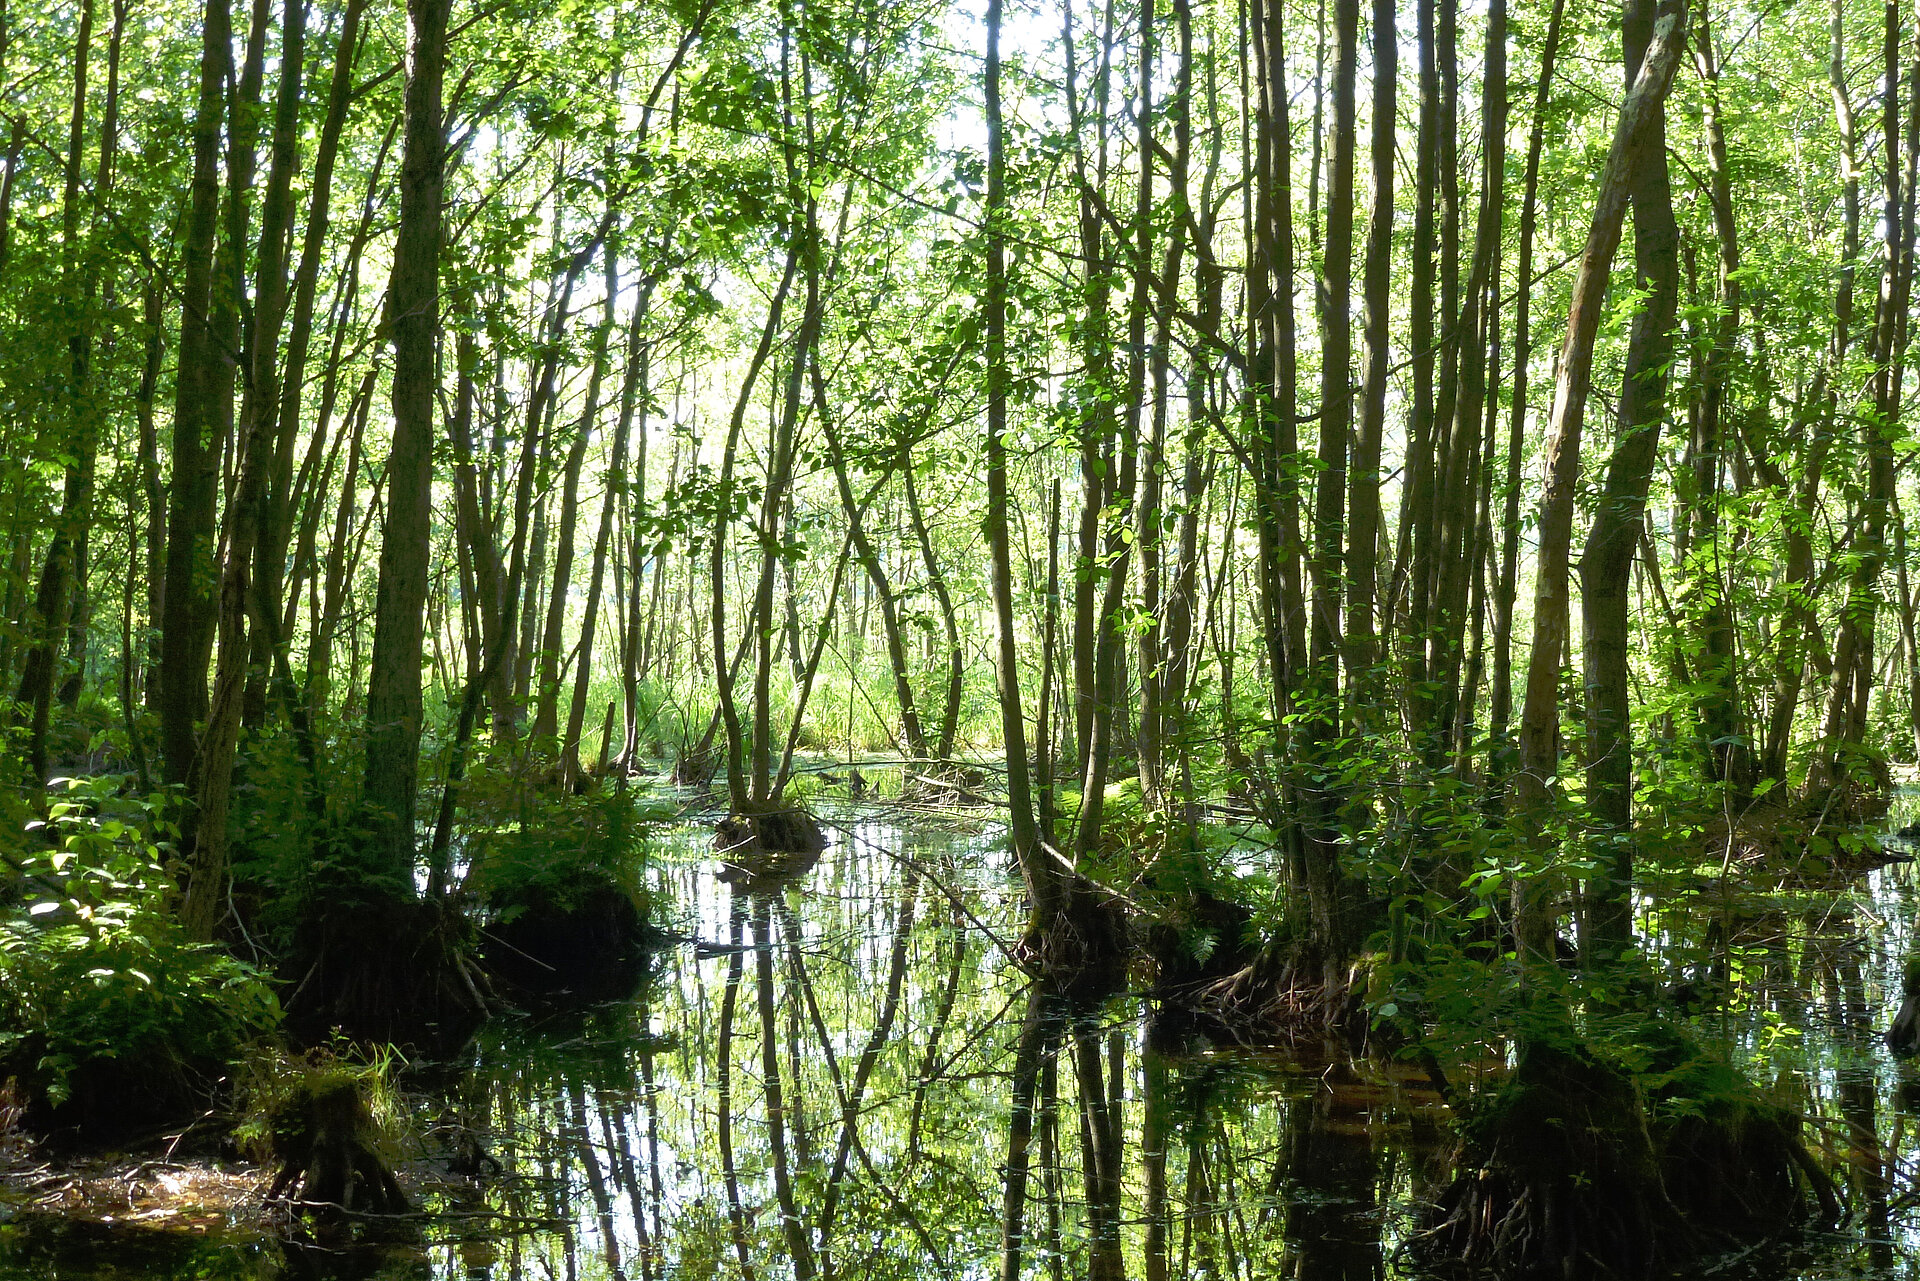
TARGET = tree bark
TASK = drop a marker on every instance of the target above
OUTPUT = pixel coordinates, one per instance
(394, 702)
(1529, 800)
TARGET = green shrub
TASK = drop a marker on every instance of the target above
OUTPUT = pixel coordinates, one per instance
(104, 1004)
(528, 842)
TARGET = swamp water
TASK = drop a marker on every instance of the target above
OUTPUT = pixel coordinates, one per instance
(819, 1082)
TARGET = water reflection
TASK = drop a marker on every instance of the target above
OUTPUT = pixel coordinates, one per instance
(844, 1076)
(841, 1075)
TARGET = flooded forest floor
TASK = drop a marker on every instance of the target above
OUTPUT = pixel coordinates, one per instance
(814, 1079)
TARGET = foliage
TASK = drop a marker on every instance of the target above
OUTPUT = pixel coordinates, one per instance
(96, 981)
(527, 842)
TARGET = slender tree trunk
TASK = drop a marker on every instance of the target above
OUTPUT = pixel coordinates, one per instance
(546, 705)
(869, 558)
(338, 566)
(1607, 565)
(1534, 895)
(152, 490)
(737, 788)
(204, 838)
(276, 532)
(1330, 893)
(1363, 499)
(53, 601)
(394, 702)
(1044, 888)
(79, 625)
(1845, 722)
(1415, 551)
(1500, 696)
(199, 424)
(949, 621)
(634, 388)
(1729, 753)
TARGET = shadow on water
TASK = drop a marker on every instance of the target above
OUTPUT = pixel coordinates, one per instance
(840, 1074)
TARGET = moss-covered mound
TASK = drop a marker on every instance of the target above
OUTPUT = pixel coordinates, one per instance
(775, 842)
(314, 1118)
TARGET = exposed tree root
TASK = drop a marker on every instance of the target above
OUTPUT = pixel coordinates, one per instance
(1572, 1170)
(1207, 942)
(945, 783)
(1854, 786)
(694, 767)
(323, 1138)
(1283, 995)
(381, 969)
(1083, 953)
(1807, 840)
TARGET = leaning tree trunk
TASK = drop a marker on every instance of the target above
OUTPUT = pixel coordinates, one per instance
(1529, 800)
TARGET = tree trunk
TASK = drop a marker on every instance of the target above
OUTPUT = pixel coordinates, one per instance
(633, 388)
(1729, 753)
(1500, 696)
(336, 580)
(911, 730)
(1529, 801)
(199, 425)
(53, 602)
(552, 637)
(394, 703)
(1363, 499)
(1607, 565)
(270, 585)
(1044, 888)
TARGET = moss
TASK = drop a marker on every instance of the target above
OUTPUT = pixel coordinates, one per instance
(316, 1118)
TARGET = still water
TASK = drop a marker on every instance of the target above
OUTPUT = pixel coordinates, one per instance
(817, 1082)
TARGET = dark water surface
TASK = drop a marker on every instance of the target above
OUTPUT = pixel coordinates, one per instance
(819, 1083)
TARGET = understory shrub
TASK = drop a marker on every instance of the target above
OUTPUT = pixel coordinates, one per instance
(561, 878)
(110, 1018)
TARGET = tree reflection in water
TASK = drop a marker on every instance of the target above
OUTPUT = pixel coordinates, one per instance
(843, 1076)
(846, 1077)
